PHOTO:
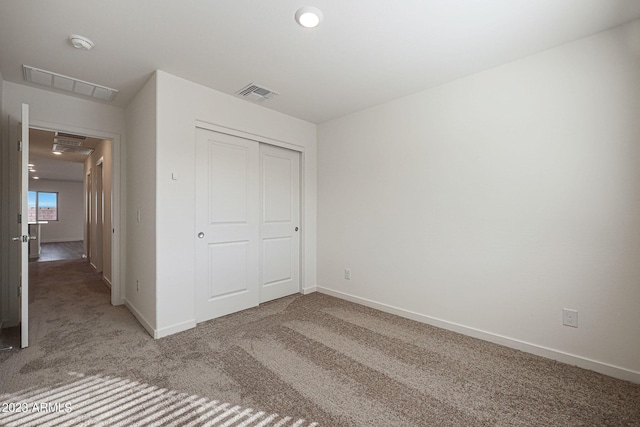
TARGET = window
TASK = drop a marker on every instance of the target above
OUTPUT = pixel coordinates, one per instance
(43, 206)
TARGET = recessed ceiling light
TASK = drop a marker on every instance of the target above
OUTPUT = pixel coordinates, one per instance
(31, 165)
(57, 153)
(32, 170)
(36, 177)
(80, 42)
(309, 16)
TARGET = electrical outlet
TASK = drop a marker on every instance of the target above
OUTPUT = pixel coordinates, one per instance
(347, 273)
(570, 317)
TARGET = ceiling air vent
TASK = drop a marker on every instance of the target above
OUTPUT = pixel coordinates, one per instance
(67, 142)
(256, 93)
(73, 150)
(71, 135)
(68, 84)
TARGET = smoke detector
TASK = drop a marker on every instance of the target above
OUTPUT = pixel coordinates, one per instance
(256, 93)
(80, 42)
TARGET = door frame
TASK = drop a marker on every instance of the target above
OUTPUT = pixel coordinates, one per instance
(117, 210)
(277, 143)
(98, 262)
(88, 179)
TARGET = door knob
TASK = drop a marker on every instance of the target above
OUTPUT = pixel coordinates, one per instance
(200, 235)
(296, 228)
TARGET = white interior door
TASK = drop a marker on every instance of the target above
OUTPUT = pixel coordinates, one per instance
(227, 224)
(24, 229)
(279, 222)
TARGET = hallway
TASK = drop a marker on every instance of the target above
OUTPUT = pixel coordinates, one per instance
(59, 251)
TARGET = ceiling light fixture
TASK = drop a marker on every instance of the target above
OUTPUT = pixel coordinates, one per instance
(57, 153)
(80, 42)
(309, 16)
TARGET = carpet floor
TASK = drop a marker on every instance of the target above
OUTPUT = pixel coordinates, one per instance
(299, 361)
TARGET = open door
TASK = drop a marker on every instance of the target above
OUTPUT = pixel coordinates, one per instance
(23, 146)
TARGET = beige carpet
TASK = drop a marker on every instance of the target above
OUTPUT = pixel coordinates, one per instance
(300, 361)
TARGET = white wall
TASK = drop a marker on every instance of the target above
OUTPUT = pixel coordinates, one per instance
(141, 289)
(180, 104)
(70, 224)
(53, 110)
(488, 204)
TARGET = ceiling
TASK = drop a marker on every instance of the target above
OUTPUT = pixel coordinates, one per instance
(366, 52)
(65, 167)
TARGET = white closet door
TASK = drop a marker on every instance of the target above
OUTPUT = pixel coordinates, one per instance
(227, 224)
(279, 223)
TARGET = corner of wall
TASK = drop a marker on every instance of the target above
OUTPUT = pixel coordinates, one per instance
(140, 271)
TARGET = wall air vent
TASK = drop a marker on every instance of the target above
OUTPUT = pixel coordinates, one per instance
(67, 84)
(60, 148)
(256, 93)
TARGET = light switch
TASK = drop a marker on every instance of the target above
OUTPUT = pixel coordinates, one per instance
(174, 176)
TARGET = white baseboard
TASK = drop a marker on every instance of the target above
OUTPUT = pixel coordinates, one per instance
(162, 332)
(107, 281)
(174, 329)
(307, 291)
(146, 325)
(549, 353)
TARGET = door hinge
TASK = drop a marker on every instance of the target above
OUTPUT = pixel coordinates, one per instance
(19, 218)
(19, 145)
(19, 291)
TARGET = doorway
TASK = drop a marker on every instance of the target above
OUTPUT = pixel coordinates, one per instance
(13, 179)
(95, 216)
